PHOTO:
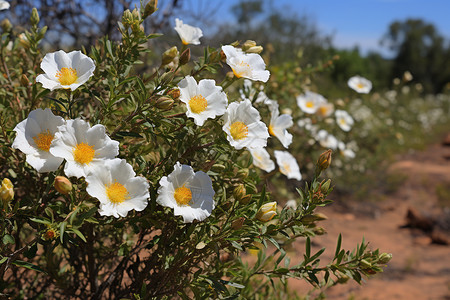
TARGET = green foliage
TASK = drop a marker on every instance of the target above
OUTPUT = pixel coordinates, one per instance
(58, 245)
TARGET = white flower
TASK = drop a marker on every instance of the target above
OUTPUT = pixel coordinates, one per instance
(117, 187)
(261, 159)
(35, 134)
(360, 84)
(203, 100)
(189, 194)
(279, 124)
(188, 34)
(310, 102)
(327, 140)
(346, 151)
(325, 109)
(292, 204)
(243, 126)
(65, 70)
(288, 164)
(247, 65)
(344, 120)
(4, 5)
(83, 147)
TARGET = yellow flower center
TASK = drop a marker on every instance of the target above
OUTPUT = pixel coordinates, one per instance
(182, 195)
(271, 130)
(43, 140)
(287, 168)
(309, 104)
(342, 121)
(360, 85)
(322, 111)
(83, 153)
(241, 69)
(238, 130)
(116, 193)
(67, 76)
(198, 104)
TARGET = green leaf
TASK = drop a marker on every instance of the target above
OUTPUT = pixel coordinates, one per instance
(77, 232)
(8, 239)
(308, 247)
(3, 260)
(62, 228)
(236, 245)
(46, 222)
(21, 263)
(338, 246)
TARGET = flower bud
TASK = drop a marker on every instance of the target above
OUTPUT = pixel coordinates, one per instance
(237, 224)
(50, 234)
(267, 211)
(164, 103)
(239, 192)
(242, 173)
(63, 185)
(150, 8)
(135, 14)
(6, 25)
(6, 191)
(34, 19)
(223, 57)
(248, 44)
(127, 18)
(325, 186)
(169, 55)
(384, 258)
(254, 49)
(324, 160)
(24, 80)
(185, 57)
(174, 93)
(365, 264)
(23, 40)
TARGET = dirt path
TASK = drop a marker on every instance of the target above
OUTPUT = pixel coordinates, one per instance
(420, 269)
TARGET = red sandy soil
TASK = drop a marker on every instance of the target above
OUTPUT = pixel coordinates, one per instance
(419, 269)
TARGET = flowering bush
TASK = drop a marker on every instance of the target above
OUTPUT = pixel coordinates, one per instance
(143, 185)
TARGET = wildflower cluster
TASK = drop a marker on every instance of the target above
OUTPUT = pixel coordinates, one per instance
(142, 180)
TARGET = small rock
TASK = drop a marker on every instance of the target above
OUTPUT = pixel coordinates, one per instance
(446, 140)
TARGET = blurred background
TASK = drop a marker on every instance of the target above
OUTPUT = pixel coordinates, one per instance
(394, 187)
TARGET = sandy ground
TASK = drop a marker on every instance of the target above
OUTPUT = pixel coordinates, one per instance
(420, 269)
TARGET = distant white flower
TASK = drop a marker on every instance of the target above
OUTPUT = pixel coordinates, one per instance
(288, 165)
(327, 140)
(247, 65)
(65, 70)
(310, 102)
(203, 100)
(117, 187)
(4, 5)
(291, 204)
(189, 194)
(279, 124)
(261, 159)
(346, 151)
(344, 120)
(34, 136)
(360, 84)
(188, 34)
(83, 147)
(243, 126)
(325, 109)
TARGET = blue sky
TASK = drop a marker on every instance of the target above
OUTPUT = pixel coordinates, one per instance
(352, 22)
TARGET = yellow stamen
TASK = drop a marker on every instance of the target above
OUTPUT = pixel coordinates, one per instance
(322, 111)
(83, 153)
(238, 130)
(287, 168)
(67, 76)
(309, 104)
(182, 195)
(360, 85)
(243, 67)
(198, 104)
(43, 140)
(184, 42)
(116, 193)
(271, 130)
(342, 121)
